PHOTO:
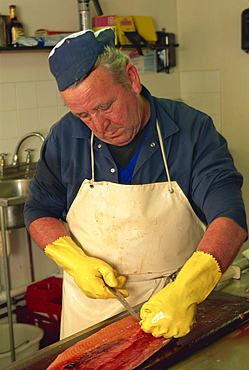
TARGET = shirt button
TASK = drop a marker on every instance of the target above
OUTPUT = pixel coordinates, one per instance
(99, 146)
(152, 144)
(112, 170)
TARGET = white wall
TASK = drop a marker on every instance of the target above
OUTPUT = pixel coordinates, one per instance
(212, 74)
(214, 71)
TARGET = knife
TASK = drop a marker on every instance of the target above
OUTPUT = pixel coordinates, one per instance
(123, 301)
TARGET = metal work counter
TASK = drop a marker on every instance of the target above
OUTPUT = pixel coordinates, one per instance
(225, 351)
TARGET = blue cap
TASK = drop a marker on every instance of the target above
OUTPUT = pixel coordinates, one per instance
(75, 55)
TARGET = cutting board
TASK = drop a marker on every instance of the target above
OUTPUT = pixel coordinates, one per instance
(218, 315)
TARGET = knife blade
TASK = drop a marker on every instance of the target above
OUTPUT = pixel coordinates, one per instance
(123, 301)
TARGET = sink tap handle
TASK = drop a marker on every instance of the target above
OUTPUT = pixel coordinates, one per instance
(28, 158)
(3, 155)
(2, 163)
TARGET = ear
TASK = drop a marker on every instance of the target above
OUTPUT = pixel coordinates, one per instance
(134, 78)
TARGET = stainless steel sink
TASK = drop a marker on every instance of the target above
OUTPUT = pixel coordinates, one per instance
(13, 194)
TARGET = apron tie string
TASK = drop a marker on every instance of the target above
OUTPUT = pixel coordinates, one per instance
(92, 161)
(171, 190)
(148, 276)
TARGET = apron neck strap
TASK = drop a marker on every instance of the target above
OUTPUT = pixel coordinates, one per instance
(92, 158)
(164, 156)
(162, 150)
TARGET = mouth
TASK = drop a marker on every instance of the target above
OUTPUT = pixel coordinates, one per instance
(118, 137)
(112, 134)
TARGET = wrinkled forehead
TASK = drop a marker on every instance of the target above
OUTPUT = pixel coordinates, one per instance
(97, 89)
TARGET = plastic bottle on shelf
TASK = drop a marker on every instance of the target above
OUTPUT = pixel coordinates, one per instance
(14, 28)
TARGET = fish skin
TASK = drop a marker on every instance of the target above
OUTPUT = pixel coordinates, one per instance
(123, 338)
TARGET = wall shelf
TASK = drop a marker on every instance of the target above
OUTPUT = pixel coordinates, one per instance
(11, 49)
(19, 49)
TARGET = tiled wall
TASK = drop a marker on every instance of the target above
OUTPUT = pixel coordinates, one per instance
(29, 103)
(201, 90)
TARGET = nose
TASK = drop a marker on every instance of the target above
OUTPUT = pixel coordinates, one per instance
(99, 122)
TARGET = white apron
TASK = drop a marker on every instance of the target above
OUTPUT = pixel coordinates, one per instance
(146, 232)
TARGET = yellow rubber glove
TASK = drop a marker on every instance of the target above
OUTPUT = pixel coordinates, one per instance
(89, 273)
(171, 312)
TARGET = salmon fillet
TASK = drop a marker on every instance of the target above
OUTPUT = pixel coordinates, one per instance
(122, 345)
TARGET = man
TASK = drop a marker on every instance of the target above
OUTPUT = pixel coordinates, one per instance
(137, 180)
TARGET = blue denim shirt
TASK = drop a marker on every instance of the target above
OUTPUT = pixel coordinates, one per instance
(197, 156)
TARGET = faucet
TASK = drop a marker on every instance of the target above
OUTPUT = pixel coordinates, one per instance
(28, 159)
(15, 162)
(2, 164)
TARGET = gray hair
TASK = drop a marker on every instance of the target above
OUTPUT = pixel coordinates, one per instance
(115, 62)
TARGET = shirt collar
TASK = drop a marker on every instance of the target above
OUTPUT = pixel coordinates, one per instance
(168, 127)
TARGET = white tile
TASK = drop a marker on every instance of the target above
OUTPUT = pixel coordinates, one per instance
(26, 95)
(163, 85)
(7, 97)
(200, 81)
(24, 67)
(9, 125)
(8, 146)
(28, 121)
(208, 103)
(62, 110)
(47, 117)
(46, 94)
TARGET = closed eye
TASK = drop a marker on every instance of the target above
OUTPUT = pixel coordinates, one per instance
(100, 107)
(82, 115)
(104, 107)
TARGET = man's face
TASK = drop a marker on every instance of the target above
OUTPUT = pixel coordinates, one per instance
(113, 112)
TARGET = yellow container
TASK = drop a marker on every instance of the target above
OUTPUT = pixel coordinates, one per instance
(145, 27)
